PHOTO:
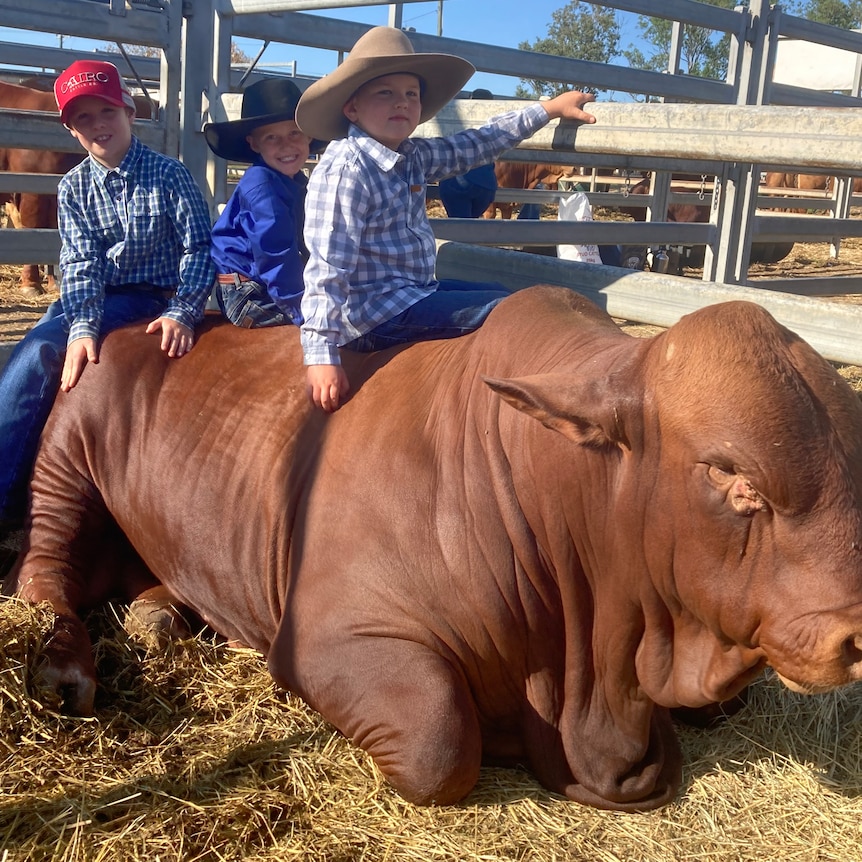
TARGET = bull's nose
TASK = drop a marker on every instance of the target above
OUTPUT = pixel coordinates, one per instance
(851, 651)
(824, 654)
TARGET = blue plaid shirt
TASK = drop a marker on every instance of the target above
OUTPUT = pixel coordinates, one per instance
(372, 250)
(144, 222)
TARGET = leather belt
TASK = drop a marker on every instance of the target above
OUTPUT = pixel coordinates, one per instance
(231, 278)
(166, 293)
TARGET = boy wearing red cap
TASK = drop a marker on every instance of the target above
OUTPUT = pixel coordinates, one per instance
(135, 245)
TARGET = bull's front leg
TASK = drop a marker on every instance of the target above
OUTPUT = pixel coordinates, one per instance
(71, 557)
(66, 666)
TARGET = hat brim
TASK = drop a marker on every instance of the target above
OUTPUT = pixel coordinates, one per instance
(319, 112)
(228, 139)
(126, 101)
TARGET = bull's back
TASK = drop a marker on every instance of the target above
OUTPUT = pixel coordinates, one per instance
(193, 458)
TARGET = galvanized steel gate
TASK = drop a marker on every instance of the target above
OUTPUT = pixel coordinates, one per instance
(707, 127)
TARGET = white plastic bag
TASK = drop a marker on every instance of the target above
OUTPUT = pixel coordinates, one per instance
(576, 207)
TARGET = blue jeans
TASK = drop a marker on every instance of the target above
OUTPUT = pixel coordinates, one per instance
(31, 379)
(249, 305)
(455, 308)
(463, 199)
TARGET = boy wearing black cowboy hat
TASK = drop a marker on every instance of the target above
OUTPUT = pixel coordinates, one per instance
(369, 281)
(257, 241)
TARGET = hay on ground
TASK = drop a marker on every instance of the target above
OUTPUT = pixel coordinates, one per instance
(194, 754)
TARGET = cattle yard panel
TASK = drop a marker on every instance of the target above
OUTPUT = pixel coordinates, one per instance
(150, 23)
(652, 137)
(831, 328)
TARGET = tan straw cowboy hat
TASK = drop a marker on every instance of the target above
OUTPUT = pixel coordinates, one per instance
(381, 51)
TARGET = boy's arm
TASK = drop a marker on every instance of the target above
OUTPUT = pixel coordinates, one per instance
(334, 227)
(458, 153)
(196, 271)
(82, 264)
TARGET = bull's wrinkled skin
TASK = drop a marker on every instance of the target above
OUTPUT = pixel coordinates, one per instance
(523, 545)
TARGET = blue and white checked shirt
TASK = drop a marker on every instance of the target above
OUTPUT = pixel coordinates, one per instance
(145, 221)
(372, 250)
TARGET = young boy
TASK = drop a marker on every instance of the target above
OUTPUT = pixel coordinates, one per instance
(135, 235)
(257, 241)
(369, 282)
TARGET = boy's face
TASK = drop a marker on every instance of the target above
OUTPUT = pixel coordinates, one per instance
(102, 129)
(387, 108)
(281, 145)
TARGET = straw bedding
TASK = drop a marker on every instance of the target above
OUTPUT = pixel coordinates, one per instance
(193, 754)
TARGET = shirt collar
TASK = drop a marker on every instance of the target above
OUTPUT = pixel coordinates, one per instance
(126, 166)
(385, 158)
(299, 178)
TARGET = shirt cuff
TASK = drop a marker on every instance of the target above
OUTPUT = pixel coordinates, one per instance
(320, 352)
(536, 116)
(82, 329)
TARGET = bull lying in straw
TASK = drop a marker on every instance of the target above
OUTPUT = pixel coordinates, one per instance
(524, 545)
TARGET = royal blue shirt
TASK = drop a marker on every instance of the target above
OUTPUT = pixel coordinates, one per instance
(144, 222)
(259, 235)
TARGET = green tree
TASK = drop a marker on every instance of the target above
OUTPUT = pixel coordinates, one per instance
(704, 53)
(834, 12)
(580, 31)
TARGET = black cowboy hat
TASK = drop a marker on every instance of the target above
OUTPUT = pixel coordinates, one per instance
(268, 101)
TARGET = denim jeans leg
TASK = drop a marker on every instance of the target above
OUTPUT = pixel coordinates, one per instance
(455, 308)
(120, 309)
(249, 305)
(28, 386)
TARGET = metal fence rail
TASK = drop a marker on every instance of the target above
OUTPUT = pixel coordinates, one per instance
(730, 130)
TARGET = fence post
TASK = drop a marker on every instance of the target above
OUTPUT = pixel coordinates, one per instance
(197, 32)
(735, 197)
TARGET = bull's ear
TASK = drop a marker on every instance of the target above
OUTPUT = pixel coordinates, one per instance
(592, 413)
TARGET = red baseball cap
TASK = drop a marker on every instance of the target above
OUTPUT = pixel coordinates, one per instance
(91, 78)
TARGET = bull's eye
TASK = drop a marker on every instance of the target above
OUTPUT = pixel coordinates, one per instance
(720, 476)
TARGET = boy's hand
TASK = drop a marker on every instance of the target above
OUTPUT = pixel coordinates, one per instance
(78, 354)
(326, 386)
(177, 338)
(569, 106)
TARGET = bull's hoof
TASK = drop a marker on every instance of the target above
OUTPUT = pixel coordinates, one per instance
(154, 623)
(65, 677)
(32, 289)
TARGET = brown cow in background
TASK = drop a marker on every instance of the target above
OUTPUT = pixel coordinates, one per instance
(25, 209)
(699, 214)
(806, 182)
(524, 175)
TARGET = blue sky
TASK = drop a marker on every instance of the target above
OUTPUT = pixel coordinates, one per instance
(493, 22)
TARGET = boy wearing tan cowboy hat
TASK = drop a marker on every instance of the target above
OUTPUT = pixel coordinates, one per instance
(369, 282)
(135, 246)
(257, 241)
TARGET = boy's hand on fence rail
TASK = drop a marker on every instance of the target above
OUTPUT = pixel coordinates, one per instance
(569, 106)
